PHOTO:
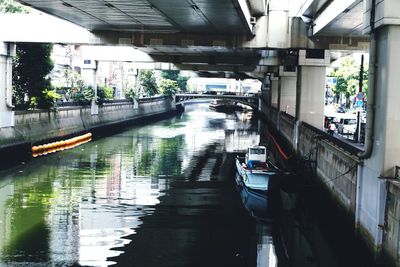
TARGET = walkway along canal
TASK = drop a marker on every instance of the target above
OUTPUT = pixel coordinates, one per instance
(161, 194)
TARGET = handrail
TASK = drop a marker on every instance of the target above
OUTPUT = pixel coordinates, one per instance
(332, 139)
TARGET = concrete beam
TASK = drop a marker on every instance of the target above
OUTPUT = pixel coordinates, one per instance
(115, 53)
(42, 28)
(257, 7)
(245, 10)
(331, 13)
(387, 12)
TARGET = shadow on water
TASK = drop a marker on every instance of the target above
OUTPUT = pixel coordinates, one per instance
(201, 223)
(312, 231)
(162, 194)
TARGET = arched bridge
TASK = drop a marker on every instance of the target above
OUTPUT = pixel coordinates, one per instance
(251, 101)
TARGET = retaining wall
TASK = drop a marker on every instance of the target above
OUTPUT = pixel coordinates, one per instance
(336, 167)
(40, 125)
(391, 240)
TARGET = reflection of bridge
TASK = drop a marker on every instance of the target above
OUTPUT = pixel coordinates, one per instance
(251, 101)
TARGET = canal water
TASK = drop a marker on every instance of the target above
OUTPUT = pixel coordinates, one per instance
(160, 194)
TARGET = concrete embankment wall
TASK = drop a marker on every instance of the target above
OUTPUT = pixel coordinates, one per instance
(37, 126)
(391, 240)
(335, 167)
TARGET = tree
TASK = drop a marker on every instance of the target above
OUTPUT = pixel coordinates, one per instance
(168, 87)
(170, 74)
(174, 76)
(11, 6)
(182, 83)
(148, 82)
(31, 68)
(347, 74)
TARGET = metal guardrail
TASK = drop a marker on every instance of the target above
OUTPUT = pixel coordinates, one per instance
(338, 142)
(288, 116)
(151, 99)
(117, 101)
(69, 104)
(209, 96)
(113, 101)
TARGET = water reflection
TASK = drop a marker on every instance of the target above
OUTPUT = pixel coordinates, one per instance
(79, 206)
(266, 255)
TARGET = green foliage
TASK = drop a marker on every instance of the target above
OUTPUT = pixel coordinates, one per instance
(148, 82)
(31, 68)
(174, 75)
(130, 94)
(104, 93)
(11, 6)
(182, 83)
(168, 87)
(170, 74)
(73, 79)
(48, 98)
(347, 75)
(83, 95)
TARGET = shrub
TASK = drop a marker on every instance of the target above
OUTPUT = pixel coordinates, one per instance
(104, 93)
(130, 94)
(48, 98)
(168, 87)
(83, 96)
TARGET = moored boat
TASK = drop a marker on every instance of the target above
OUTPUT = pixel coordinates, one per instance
(224, 105)
(254, 175)
(255, 168)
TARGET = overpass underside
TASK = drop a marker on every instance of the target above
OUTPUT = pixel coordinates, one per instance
(285, 44)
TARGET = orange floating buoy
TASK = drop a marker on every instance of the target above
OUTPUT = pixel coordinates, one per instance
(60, 145)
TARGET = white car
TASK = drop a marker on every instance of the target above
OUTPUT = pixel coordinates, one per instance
(347, 126)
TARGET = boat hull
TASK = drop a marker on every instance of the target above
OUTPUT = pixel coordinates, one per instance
(254, 201)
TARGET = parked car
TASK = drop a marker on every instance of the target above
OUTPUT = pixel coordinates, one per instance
(347, 126)
(340, 110)
(209, 93)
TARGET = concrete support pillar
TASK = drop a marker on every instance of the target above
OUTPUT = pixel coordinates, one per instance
(287, 91)
(274, 91)
(310, 104)
(310, 90)
(266, 90)
(7, 51)
(371, 194)
(89, 74)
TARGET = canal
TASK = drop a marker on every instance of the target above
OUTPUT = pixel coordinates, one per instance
(160, 194)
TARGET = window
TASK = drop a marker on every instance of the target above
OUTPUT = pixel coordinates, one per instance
(257, 151)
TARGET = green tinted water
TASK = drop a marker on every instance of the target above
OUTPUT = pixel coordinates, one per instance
(75, 207)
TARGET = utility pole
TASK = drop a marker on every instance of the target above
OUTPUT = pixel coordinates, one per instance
(360, 97)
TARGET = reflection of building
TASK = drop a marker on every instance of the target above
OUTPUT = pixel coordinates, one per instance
(6, 189)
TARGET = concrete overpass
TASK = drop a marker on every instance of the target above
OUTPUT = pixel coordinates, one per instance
(287, 45)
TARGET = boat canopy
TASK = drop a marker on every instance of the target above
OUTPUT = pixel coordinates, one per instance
(256, 154)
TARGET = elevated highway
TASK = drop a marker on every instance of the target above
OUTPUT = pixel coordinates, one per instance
(285, 44)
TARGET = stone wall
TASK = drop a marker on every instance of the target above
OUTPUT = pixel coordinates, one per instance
(40, 125)
(335, 167)
(391, 240)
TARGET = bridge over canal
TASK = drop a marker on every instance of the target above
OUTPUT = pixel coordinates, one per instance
(251, 101)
